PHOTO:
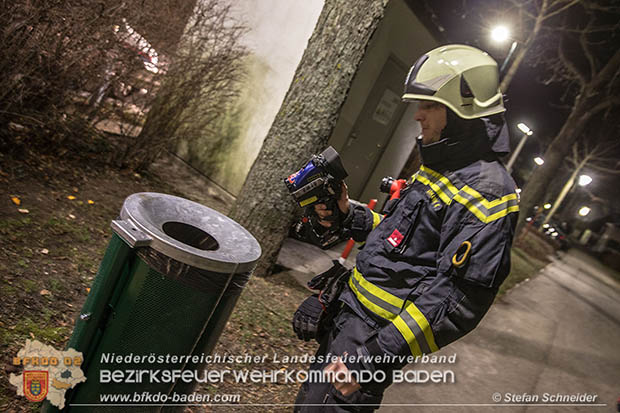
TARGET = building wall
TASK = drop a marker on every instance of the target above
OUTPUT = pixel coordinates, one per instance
(403, 36)
(278, 33)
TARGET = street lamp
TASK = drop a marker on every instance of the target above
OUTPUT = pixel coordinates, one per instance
(539, 160)
(584, 180)
(501, 34)
(526, 132)
(583, 211)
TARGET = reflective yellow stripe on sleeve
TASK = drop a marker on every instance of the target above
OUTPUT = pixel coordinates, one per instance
(376, 218)
(486, 211)
(409, 321)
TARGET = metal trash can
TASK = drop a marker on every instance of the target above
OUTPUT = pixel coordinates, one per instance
(166, 287)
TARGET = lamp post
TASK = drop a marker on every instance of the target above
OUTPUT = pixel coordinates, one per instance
(583, 181)
(526, 132)
(501, 34)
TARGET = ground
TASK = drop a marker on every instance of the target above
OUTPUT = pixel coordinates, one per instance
(55, 219)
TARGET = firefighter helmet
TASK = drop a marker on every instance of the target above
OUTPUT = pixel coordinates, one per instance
(463, 78)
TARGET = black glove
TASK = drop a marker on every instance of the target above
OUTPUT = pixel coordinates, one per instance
(306, 318)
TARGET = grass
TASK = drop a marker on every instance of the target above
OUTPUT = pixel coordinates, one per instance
(528, 256)
(260, 323)
(42, 329)
(523, 266)
(29, 285)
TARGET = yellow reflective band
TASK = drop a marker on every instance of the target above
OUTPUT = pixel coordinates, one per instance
(376, 219)
(503, 213)
(446, 199)
(474, 201)
(373, 302)
(369, 304)
(308, 201)
(378, 292)
(423, 323)
(496, 202)
(487, 204)
(441, 178)
(471, 207)
(409, 337)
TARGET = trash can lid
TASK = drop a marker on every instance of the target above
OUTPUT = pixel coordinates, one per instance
(191, 233)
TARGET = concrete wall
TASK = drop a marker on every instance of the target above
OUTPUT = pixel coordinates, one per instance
(403, 36)
(278, 33)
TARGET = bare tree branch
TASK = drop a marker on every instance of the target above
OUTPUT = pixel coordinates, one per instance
(570, 65)
(583, 41)
(561, 9)
(604, 169)
(608, 72)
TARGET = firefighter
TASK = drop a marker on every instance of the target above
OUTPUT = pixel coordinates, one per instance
(432, 263)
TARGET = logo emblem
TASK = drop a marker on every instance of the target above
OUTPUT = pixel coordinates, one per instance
(396, 238)
(36, 384)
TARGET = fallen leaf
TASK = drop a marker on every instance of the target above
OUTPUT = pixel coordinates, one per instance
(90, 201)
(80, 202)
(70, 197)
(44, 292)
(87, 289)
(16, 200)
(45, 251)
(23, 211)
(71, 216)
(32, 335)
(69, 304)
(75, 189)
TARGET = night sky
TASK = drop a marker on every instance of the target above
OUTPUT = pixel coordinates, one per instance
(528, 100)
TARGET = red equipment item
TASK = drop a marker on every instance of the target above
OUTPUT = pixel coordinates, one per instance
(396, 187)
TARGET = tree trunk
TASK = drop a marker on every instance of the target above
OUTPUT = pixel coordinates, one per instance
(305, 120)
(583, 110)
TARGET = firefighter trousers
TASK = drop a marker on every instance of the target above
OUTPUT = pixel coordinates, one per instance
(349, 331)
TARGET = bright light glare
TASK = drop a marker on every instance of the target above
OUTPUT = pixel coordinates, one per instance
(583, 211)
(584, 180)
(500, 33)
(524, 128)
(547, 206)
(539, 160)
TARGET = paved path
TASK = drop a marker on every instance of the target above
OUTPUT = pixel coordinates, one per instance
(557, 333)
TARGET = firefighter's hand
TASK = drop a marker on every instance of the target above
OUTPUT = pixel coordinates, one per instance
(343, 382)
(343, 205)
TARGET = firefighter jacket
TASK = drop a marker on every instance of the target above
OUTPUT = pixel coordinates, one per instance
(431, 266)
